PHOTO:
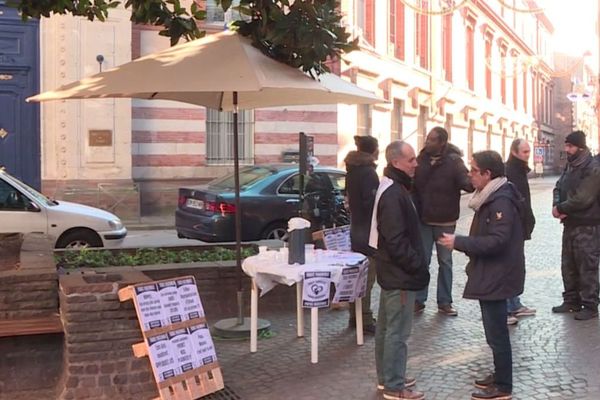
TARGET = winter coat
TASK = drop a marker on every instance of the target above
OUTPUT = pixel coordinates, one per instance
(361, 185)
(437, 187)
(400, 255)
(516, 172)
(577, 193)
(495, 246)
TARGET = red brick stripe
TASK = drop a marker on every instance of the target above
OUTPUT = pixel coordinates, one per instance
(168, 113)
(292, 138)
(296, 116)
(167, 137)
(164, 160)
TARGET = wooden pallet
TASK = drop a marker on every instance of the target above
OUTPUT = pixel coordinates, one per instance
(193, 384)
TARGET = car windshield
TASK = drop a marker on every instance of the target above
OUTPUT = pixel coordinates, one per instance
(248, 177)
(30, 191)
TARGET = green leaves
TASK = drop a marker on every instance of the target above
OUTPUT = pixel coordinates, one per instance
(304, 34)
(90, 258)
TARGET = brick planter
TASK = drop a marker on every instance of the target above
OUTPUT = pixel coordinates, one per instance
(10, 247)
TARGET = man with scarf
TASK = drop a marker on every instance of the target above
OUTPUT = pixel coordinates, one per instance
(577, 205)
(439, 179)
(401, 270)
(361, 186)
(496, 269)
(517, 168)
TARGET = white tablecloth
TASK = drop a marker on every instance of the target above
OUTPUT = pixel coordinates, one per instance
(267, 272)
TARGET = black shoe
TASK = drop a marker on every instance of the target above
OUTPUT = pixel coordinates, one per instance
(419, 308)
(566, 308)
(586, 313)
(491, 393)
(486, 382)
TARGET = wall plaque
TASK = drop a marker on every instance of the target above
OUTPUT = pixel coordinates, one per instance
(100, 138)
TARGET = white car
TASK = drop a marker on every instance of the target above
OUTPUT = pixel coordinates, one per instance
(25, 210)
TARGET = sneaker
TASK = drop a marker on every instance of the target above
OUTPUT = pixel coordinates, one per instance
(447, 309)
(419, 308)
(586, 313)
(409, 381)
(566, 308)
(405, 394)
(510, 320)
(524, 312)
(486, 382)
(491, 393)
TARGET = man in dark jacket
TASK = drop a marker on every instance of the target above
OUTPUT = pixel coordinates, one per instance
(361, 186)
(577, 204)
(496, 270)
(439, 178)
(401, 270)
(517, 168)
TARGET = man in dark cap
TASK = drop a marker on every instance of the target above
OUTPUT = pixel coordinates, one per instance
(577, 204)
(361, 185)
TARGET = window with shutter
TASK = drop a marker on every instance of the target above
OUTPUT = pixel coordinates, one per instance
(219, 137)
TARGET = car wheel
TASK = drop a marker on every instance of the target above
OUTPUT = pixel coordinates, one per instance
(79, 239)
(276, 231)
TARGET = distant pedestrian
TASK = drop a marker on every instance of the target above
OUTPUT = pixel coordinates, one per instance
(517, 168)
(401, 270)
(361, 185)
(439, 179)
(496, 269)
(577, 205)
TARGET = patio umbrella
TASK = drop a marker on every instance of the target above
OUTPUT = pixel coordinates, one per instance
(221, 71)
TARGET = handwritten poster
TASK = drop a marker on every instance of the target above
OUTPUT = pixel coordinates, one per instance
(183, 351)
(148, 300)
(170, 301)
(161, 356)
(203, 346)
(190, 300)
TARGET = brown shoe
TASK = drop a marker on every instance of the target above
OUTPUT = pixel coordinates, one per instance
(409, 381)
(491, 393)
(486, 382)
(447, 309)
(405, 394)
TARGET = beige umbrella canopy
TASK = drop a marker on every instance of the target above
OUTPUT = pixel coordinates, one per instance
(221, 71)
(206, 72)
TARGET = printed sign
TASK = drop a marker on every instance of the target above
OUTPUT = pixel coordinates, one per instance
(345, 288)
(161, 356)
(190, 299)
(337, 238)
(148, 300)
(181, 345)
(315, 291)
(170, 301)
(361, 284)
(204, 349)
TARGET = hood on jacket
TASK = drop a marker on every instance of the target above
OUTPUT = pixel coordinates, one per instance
(450, 149)
(359, 158)
(514, 161)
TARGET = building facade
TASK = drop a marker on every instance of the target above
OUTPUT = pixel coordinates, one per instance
(481, 69)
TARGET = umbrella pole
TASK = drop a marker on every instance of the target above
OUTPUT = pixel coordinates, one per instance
(238, 211)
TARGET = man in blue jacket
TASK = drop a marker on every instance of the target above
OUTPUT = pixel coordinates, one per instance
(496, 270)
(401, 270)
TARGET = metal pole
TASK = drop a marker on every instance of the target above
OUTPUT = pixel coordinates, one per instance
(238, 211)
(598, 83)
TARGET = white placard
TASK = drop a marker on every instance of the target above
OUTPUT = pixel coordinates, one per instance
(345, 287)
(315, 292)
(181, 345)
(190, 299)
(202, 344)
(150, 308)
(170, 301)
(337, 238)
(161, 357)
(361, 283)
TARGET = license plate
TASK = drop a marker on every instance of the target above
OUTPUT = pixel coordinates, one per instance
(194, 203)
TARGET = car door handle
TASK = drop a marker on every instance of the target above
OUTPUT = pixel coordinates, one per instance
(292, 201)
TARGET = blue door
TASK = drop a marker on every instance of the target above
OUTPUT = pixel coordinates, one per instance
(19, 79)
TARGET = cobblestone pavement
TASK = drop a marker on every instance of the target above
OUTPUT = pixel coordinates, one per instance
(555, 357)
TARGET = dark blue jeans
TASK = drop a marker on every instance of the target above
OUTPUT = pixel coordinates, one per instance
(493, 314)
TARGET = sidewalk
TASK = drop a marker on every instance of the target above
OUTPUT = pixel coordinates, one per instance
(554, 356)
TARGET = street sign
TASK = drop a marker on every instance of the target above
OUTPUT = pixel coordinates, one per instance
(539, 151)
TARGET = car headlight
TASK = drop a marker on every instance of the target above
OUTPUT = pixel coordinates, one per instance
(115, 224)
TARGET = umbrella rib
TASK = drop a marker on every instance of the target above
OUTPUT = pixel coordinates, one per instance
(153, 95)
(221, 101)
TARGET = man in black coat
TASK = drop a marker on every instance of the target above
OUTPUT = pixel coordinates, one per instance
(496, 270)
(517, 168)
(439, 179)
(577, 205)
(401, 270)
(361, 185)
